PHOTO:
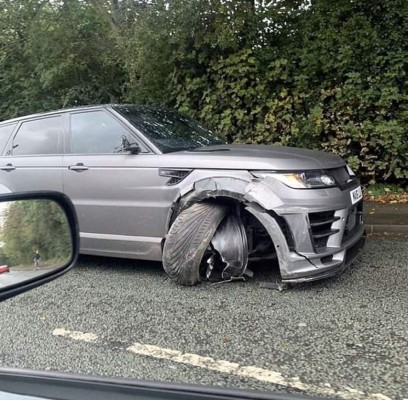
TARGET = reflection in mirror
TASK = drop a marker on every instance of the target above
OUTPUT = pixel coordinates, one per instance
(35, 239)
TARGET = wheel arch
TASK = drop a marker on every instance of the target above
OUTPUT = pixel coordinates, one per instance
(209, 189)
(253, 197)
(251, 193)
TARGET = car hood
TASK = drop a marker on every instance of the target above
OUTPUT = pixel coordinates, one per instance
(254, 157)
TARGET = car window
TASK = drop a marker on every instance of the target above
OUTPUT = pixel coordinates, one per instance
(37, 137)
(96, 132)
(5, 132)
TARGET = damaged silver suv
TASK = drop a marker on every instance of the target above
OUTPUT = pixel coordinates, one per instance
(152, 184)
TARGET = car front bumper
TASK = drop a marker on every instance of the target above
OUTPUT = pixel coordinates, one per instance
(316, 233)
(314, 268)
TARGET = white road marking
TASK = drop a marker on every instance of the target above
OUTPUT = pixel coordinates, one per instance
(75, 335)
(211, 364)
(227, 367)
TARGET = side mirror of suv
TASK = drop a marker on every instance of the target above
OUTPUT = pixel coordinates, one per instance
(39, 240)
(133, 148)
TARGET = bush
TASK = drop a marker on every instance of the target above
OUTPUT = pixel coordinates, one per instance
(318, 74)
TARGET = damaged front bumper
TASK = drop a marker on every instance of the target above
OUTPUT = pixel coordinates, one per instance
(316, 237)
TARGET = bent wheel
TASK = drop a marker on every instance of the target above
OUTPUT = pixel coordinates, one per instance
(230, 241)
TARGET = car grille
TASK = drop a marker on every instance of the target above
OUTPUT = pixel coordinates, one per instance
(320, 226)
(353, 222)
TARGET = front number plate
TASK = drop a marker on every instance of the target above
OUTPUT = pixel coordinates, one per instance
(356, 195)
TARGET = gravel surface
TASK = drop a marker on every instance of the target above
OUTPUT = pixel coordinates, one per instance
(346, 332)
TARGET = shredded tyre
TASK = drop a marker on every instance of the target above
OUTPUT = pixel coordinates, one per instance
(188, 239)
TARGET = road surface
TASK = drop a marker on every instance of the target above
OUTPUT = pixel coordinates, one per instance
(345, 337)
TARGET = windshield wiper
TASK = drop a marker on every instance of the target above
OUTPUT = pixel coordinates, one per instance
(203, 150)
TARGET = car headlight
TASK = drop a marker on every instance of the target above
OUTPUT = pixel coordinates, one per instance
(315, 179)
(350, 171)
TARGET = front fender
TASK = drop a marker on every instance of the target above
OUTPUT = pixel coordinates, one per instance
(246, 191)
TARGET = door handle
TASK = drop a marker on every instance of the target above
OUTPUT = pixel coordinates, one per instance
(78, 167)
(7, 167)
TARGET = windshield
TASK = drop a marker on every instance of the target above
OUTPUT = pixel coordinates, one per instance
(167, 129)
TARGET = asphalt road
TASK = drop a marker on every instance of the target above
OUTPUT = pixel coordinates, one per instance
(345, 337)
(16, 276)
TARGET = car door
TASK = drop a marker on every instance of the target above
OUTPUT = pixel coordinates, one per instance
(32, 158)
(120, 200)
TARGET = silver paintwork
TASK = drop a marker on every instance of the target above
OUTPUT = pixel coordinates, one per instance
(124, 206)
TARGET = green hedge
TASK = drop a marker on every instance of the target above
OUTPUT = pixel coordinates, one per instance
(321, 74)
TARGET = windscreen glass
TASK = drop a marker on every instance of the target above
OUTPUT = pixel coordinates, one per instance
(167, 129)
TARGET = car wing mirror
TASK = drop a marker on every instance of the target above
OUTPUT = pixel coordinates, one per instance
(39, 240)
(133, 148)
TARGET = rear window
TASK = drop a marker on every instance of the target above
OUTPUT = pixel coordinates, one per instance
(38, 137)
(5, 132)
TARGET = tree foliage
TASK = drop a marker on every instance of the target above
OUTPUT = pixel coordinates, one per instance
(311, 73)
(55, 55)
(30, 225)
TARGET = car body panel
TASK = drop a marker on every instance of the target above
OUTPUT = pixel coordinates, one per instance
(32, 173)
(258, 157)
(122, 205)
(247, 157)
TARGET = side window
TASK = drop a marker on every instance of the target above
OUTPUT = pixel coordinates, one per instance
(5, 132)
(37, 137)
(96, 132)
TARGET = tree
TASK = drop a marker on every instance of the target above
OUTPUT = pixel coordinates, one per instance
(310, 73)
(55, 55)
(30, 225)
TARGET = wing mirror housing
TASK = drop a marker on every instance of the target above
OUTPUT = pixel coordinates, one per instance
(132, 148)
(39, 240)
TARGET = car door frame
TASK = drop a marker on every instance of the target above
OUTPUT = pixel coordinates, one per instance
(8, 146)
(11, 134)
(153, 148)
(19, 123)
(4, 188)
(146, 145)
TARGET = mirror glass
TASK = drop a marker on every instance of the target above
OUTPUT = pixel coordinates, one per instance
(35, 239)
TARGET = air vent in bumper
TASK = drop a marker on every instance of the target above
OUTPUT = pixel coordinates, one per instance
(320, 227)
